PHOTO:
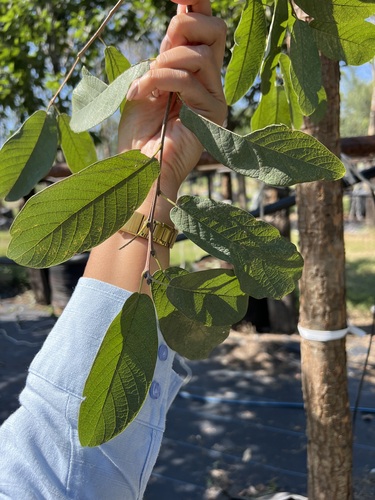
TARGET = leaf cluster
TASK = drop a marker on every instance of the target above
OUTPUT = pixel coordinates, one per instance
(283, 56)
(194, 310)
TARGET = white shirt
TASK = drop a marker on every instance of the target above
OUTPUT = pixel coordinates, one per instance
(40, 454)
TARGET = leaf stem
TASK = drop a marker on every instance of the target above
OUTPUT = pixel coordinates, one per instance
(83, 50)
(151, 250)
(167, 199)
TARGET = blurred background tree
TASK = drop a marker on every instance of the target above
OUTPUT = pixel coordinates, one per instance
(39, 44)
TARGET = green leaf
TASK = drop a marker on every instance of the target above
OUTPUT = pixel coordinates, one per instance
(275, 42)
(121, 375)
(212, 297)
(250, 42)
(79, 149)
(354, 43)
(188, 337)
(82, 210)
(94, 101)
(115, 63)
(275, 155)
(305, 70)
(273, 108)
(295, 113)
(28, 155)
(265, 263)
(340, 29)
(325, 9)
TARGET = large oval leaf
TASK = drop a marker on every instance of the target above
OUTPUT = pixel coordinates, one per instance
(265, 263)
(81, 211)
(79, 149)
(275, 42)
(295, 112)
(94, 101)
(275, 155)
(121, 375)
(340, 29)
(212, 297)
(305, 70)
(273, 108)
(188, 337)
(115, 63)
(250, 42)
(28, 155)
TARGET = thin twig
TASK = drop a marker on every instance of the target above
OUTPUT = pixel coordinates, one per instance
(150, 247)
(83, 50)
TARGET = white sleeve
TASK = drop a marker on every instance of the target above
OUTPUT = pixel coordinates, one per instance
(40, 454)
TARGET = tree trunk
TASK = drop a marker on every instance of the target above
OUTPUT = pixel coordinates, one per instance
(322, 307)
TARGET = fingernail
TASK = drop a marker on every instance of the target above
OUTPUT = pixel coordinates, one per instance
(133, 90)
(153, 64)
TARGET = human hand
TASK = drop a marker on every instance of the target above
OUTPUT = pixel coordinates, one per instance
(189, 64)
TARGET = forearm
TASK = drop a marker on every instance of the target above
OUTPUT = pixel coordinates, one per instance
(124, 267)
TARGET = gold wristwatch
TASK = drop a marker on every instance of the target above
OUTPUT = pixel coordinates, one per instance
(163, 234)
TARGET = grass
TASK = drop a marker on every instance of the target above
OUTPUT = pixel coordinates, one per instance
(360, 270)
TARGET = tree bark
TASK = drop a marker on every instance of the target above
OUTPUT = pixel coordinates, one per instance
(323, 307)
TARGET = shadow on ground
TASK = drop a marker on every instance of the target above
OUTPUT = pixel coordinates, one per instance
(237, 429)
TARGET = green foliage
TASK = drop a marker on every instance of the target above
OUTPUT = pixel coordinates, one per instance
(82, 210)
(187, 336)
(211, 297)
(37, 39)
(340, 29)
(79, 149)
(28, 155)
(121, 374)
(275, 155)
(266, 264)
(115, 63)
(250, 41)
(306, 79)
(273, 108)
(275, 43)
(94, 101)
(195, 310)
(295, 113)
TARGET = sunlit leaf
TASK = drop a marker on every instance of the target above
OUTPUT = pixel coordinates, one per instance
(266, 264)
(94, 101)
(340, 29)
(79, 149)
(295, 112)
(115, 64)
(273, 108)
(82, 210)
(28, 155)
(305, 69)
(275, 155)
(212, 297)
(275, 42)
(188, 337)
(121, 375)
(250, 41)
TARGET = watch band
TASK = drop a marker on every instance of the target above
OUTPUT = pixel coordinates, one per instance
(163, 234)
